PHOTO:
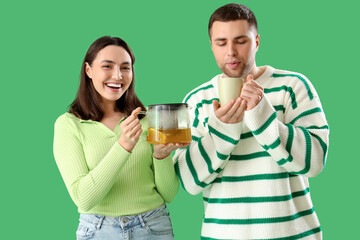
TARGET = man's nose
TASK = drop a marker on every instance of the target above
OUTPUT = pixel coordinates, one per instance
(231, 49)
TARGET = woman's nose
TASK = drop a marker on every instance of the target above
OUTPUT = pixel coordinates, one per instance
(117, 74)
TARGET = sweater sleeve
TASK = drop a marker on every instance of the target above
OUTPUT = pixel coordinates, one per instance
(166, 181)
(86, 188)
(212, 142)
(299, 141)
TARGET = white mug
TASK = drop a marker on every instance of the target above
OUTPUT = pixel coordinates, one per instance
(229, 88)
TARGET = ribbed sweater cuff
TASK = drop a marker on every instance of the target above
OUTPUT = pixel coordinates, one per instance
(232, 130)
(260, 118)
(165, 163)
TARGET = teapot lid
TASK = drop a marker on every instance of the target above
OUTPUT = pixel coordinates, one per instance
(169, 106)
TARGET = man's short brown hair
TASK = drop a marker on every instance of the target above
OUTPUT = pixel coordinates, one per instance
(232, 12)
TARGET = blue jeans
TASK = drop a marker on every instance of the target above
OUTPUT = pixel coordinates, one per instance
(154, 224)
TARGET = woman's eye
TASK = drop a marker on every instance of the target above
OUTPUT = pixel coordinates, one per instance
(107, 66)
(242, 42)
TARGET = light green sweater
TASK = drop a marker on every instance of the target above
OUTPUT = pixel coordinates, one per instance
(102, 177)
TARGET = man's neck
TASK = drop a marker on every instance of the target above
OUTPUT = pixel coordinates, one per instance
(257, 71)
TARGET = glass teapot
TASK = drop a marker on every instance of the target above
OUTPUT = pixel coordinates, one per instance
(168, 123)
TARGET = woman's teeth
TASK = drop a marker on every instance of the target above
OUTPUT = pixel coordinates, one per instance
(113, 85)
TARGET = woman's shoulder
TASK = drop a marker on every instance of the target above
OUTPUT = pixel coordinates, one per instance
(67, 119)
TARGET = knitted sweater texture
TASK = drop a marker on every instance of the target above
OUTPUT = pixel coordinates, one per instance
(254, 174)
(102, 177)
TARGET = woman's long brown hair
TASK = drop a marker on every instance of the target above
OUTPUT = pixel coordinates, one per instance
(87, 104)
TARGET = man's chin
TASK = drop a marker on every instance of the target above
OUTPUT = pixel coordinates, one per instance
(233, 74)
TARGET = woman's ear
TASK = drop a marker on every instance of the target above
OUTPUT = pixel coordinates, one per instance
(88, 70)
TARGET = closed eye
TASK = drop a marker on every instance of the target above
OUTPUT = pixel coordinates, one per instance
(221, 44)
(125, 66)
(106, 66)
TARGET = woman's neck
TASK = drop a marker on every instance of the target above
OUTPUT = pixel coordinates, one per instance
(111, 116)
(109, 108)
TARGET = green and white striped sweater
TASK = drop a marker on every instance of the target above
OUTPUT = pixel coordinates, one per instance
(254, 174)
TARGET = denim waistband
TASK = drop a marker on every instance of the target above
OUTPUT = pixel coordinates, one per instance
(123, 221)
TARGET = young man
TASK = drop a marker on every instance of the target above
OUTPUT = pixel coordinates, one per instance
(251, 157)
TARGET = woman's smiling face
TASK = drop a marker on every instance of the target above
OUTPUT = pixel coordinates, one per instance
(111, 72)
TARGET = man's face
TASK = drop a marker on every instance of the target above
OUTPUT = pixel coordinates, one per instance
(234, 45)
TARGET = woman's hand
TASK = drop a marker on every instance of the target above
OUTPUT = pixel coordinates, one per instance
(130, 131)
(161, 151)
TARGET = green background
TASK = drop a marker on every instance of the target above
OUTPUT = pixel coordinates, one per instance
(42, 47)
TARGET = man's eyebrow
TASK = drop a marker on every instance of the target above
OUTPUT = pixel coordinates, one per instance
(224, 39)
(241, 36)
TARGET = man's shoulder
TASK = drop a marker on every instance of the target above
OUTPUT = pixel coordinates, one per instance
(280, 73)
(278, 77)
(290, 81)
(202, 91)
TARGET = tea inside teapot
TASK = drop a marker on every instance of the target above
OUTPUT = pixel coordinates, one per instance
(168, 123)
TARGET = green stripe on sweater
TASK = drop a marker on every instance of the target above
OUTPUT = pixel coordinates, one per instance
(290, 138)
(250, 134)
(246, 135)
(194, 92)
(195, 138)
(249, 156)
(177, 170)
(192, 169)
(288, 146)
(293, 237)
(222, 136)
(274, 145)
(276, 75)
(219, 155)
(285, 88)
(285, 160)
(199, 105)
(257, 199)
(205, 157)
(279, 108)
(316, 127)
(206, 120)
(307, 153)
(306, 113)
(266, 124)
(323, 145)
(260, 220)
(298, 236)
(268, 176)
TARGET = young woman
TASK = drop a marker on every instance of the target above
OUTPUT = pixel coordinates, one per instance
(118, 181)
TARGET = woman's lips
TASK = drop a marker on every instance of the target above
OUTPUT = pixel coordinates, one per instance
(114, 86)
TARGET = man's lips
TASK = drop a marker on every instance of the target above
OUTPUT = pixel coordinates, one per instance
(233, 64)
